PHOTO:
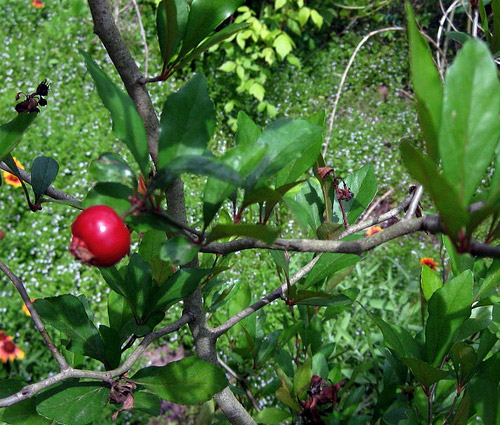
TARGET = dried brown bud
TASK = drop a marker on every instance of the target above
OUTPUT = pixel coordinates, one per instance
(324, 172)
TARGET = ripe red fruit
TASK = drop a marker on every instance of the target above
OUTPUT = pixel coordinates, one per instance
(100, 237)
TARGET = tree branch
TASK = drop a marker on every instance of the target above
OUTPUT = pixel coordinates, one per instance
(30, 390)
(18, 283)
(51, 191)
(105, 28)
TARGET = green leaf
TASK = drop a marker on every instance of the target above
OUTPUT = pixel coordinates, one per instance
(187, 122)
(283, 45)
(430, 282)
(464, 360)
(204, 17)
(458, 36)
(272, 416)
(495, 41)
(396, 338)
(214, 39)
(321, 299)
(285, 140)
(248, 132)
(177, 287)
(242, 158)
(179, 251)
(171, 21)
(127, 124)
(119, 313)
(449, 307)
(424, 372)
(75, 403)
(109, 167)
(200, 165)
(112, 345)
(148, 249)
(114, 195)
(302, 377)
(328, 265)
(67, 314)
(11, 132)
(462, 415)
(443, 193)
(22, 413)
(470, 127)
(187, 381)
(426, 84)
(363, 185)
(491, 280)
(308, 206)
(256, 231)
(43, 172)
(267, 348)
(147, 402)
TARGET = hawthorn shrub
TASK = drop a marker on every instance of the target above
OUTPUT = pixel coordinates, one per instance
(443, 369)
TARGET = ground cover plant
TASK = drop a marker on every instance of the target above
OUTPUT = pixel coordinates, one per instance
(310, 363)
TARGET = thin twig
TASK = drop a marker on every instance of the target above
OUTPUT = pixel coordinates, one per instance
(30, 390)
(241, 381)
(376, 203)
(343, 78)
(18, 283)
(143, 36)
(412, 208)
(277, 293)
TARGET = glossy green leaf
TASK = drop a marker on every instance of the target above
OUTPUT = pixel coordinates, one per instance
(147, 402)
(458, 36)
(204, 17)
(11, 132)
(244, 159)
(43, 172)
(267, 348)
(187, 122)
(459, 262)
(464, 359)
(75, 403)
(248, 132)
(396, 338)
(149, 251)
(67, 314)
(256, 231)
(424, 372)
(308, 206)
(448, 308)
(109, 167)
(214, 39)
(430, 282)
(463, 411)
(127, 124)
(285, 140)
(321, 299)
(470, 127)
(119, 313)
(22, 413)
(178, 251)
(187, 381)
(272, 416)
(171, 21)
(443, 193)
(363, 185)
(328, 265)
(177, 287)
(491, 280)
(114, 195)
(112, 345)
(310, 152)
(302, 377)
(199, 165)
(426, 84)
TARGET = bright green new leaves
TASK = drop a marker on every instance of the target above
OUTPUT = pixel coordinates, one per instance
(127, 124)
(470, 127)
(171, 20)
(43, 172)
(187, 381)
(429, 282)
(73, 403)
(204, 17)
(187, 122)
(11, 132)
(426, 84)
(449, 307)
(67, 313)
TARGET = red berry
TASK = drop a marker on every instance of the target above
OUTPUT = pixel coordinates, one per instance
(100, 237)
